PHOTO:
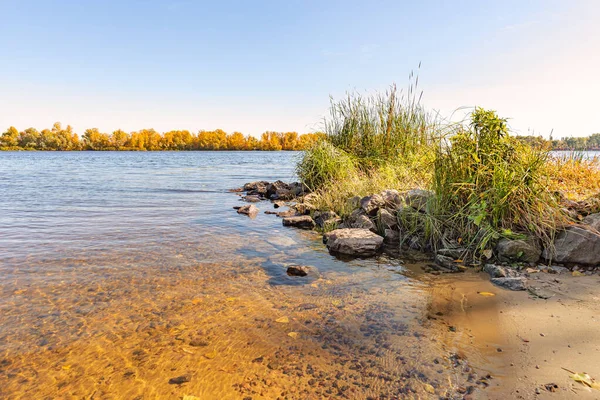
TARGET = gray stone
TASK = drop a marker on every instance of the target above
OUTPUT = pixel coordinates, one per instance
(353, 242)
(455, 253)
(370, 204)
(518, 250)
(446, 262)
(328, 218)
(357, 219)
(255, 186)
(392, 237)
(274, 187)
(283, 194)
(391, 199)
(498, 271)
(387, 219)
(252, 198)
(575, 245)
(516, 284)
(302, 222)
(555, 269)
(249, 210)
(418, 198)
(593, 220)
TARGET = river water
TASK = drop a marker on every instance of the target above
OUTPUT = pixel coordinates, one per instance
(120, 271)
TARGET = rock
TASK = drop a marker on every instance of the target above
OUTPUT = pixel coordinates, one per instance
(249, 210)
(358, 220)
(370, 204)
(255, 186)
(392, 237)
(517, 283)
(354, 202)
(283, 194)
(298, 189)
(454, 253)
(498, 271)
(278, 203)
(391, 199)
(328, 218)
(417, 198)
(555, 269)
(302, 222)
(298, 270)
(593, 220)
(518, 250)
(446, 262)
(575, 245)
(353, 242)
(180, 379)
(252, 198)
(387, 219)
(274, 187)
(287, 213)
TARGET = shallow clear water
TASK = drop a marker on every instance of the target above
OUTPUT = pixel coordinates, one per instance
(120, 271)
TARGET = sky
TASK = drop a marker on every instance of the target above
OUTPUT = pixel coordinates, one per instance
(253, 66)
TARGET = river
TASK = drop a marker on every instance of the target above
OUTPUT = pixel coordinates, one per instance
(121, 271)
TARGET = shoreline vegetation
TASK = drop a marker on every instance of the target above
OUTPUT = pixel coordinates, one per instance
(65, 139)
(387, 175)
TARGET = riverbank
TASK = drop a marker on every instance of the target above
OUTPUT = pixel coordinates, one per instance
(531, 340)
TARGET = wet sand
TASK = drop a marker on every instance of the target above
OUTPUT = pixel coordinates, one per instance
(523, 340)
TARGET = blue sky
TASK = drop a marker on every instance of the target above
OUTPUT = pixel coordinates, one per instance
(272, 65)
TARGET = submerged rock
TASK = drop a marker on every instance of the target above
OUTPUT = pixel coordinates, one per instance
(253, 198)
(180, 379)
(516, 283)
(518, 250)
(302, 222)
(249, 210)
(446, 262)
(353, 242)
(575, 245)
(298, 270)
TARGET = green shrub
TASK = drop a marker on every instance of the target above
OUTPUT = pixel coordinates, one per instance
(324, 163)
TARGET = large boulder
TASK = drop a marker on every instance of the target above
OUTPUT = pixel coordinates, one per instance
(302, 222)
(518, 250)
(353, 242)
(370, 204)
(575, 245)
(359, 220)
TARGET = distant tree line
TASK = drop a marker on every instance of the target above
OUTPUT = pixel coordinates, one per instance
(64, 139)
(591, 142)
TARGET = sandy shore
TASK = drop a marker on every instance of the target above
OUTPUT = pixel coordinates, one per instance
(521, 339)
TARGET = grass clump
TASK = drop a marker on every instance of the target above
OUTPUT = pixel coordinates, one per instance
(488, 184)
(325, 163)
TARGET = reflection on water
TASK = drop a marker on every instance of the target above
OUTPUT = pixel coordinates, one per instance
(129, 276)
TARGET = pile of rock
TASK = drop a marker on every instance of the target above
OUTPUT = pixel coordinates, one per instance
(278, 190)
(375, 224)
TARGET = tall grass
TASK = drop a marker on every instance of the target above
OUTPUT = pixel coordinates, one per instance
(486, 183)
